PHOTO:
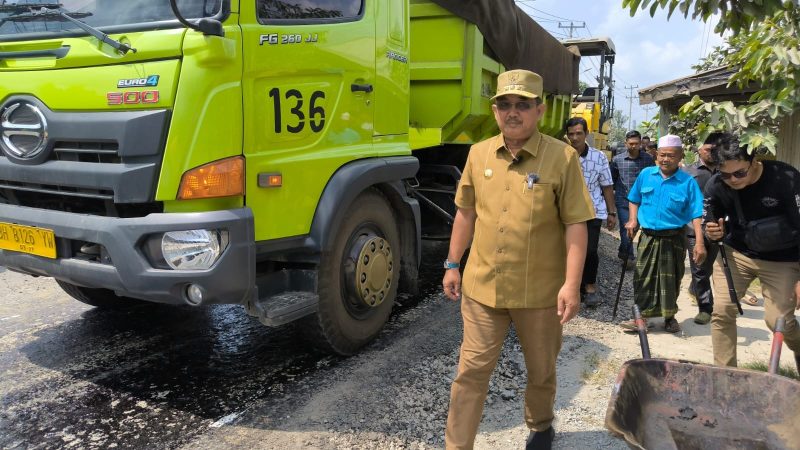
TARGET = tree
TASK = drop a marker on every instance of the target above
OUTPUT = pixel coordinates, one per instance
(619, 123)
(763, 51)
(735, 15)
(649, 127)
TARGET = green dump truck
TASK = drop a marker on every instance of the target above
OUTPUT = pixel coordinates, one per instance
(285, 155)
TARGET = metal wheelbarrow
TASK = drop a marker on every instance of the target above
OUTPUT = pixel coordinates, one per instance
(659, 404)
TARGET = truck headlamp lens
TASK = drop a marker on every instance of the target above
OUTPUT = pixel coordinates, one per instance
(223, 178)
(193, 249)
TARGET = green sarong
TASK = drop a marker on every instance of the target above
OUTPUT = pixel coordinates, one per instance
(659, 269)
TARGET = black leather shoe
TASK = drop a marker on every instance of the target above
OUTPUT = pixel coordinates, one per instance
(540, 440)
(592, 299)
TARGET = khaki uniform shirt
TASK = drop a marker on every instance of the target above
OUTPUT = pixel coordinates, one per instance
(518, 254)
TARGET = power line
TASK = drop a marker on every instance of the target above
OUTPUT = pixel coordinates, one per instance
(527, 4)
(551, 15)
(542, 19)
(647, 109)
(572, 27)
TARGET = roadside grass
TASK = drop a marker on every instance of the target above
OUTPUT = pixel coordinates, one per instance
(590, 366)
(598, 371)
(762, 366)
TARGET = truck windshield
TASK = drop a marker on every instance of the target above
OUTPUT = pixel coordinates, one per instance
(29, 19)
(308, 9)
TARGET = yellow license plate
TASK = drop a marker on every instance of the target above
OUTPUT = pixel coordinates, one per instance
(20, 238)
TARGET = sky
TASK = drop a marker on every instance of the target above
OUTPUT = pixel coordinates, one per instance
(650, 50)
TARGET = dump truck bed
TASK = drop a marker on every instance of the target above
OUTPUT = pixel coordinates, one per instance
(454, 70)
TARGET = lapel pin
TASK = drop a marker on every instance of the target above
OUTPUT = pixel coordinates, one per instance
(487, 173)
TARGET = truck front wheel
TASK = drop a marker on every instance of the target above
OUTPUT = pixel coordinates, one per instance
(101, 298)
(358, 279)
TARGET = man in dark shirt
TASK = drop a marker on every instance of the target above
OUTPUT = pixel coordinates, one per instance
(625, 167)
(652, 149)
(644, 143)
(700, 287)
(764, 189)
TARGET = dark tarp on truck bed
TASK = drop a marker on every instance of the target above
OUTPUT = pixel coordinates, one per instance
(519, 42)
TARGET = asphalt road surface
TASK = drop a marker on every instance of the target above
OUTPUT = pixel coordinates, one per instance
(150, 376)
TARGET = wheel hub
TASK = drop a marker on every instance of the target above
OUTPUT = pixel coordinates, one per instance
(374, 271)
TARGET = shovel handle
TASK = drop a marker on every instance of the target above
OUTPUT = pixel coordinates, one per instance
(777, 344)
(642, 329)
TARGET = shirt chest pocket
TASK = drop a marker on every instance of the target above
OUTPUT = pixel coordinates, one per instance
(677, 201)
(534, 203)
(648, 196)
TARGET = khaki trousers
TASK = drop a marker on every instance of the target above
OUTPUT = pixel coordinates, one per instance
(777, 283)
(485, 330)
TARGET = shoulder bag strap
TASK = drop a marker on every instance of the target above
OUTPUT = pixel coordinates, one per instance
(738, 205)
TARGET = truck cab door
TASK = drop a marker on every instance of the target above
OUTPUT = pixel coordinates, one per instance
(308, 82)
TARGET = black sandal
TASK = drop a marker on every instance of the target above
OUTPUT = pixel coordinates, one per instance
(671, 325)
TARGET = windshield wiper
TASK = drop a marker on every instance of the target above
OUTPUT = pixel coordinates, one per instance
(25, 7)
(57, 14)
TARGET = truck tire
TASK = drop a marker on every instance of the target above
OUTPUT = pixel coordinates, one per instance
(101, 298)
(358, 279)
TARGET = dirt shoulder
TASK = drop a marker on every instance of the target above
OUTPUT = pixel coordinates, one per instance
(395, 394)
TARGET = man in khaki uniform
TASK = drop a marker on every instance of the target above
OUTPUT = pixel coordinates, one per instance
(523, 204)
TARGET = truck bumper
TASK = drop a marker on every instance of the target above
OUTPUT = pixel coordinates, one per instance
(125, 266)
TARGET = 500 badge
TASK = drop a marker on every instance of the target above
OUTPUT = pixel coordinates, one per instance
(133, 97)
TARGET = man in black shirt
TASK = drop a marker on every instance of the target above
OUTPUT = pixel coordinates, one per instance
(764, 190)
(700, 287)
(625, 167)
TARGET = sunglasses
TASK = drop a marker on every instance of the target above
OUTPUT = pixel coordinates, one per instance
(519, 106)
(741, 173)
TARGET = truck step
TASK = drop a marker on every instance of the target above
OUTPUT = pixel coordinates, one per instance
(283, 308)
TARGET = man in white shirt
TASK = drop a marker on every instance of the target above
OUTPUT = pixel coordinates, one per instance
(597, 175)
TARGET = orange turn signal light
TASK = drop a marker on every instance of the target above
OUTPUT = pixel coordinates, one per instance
(270, 180)
(223, 178)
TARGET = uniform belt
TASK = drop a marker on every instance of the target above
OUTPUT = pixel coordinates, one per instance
(663, 233)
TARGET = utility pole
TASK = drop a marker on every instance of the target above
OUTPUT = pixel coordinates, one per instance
(647, 109)
(630, 104)
(572, 27)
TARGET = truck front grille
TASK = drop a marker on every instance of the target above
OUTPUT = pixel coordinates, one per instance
(87, 151)
(103, 163)
(101, 194)
(58, 198)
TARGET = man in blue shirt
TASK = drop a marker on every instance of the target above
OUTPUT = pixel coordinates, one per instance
(663, 200)
(625, 167)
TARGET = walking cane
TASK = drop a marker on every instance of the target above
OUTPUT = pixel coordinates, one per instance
(729, 278)
(621, 278)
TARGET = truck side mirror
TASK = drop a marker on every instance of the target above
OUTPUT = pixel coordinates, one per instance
(209, 26)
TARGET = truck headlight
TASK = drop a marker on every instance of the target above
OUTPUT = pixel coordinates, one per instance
(193, 249)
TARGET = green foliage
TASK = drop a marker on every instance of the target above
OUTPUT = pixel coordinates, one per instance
(716, 57)
(619, 124)
(649, 127)
(736, 15)
(761, 366)
(767, 57)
